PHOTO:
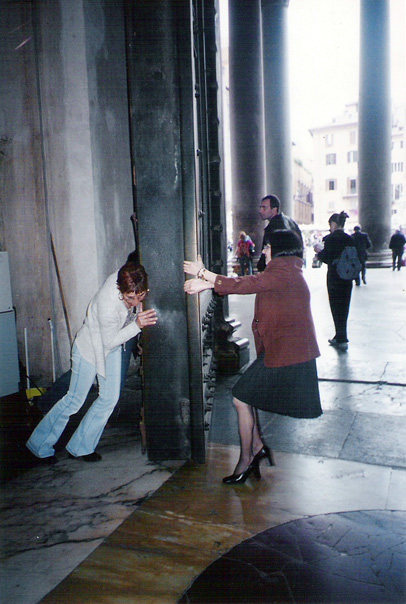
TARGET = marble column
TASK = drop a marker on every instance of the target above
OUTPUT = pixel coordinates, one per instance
(278, 142)
(375, 127)
(161, 98)
(246, 118)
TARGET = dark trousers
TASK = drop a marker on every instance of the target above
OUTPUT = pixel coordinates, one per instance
(245, 263)
(339, 295)
(362, 274)
(397, 258)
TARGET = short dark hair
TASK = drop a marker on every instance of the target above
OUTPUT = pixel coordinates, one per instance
(273, 201)
(338, 218)
(285, 243)
(357, 228)
(132, 278)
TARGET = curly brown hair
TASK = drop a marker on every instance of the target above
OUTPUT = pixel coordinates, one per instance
(132, 278)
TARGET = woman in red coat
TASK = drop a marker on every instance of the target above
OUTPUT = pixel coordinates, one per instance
(283, 378)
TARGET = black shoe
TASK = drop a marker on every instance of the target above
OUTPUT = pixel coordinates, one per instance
(253, 468)
(91, 457)
(265, 453)
(48, 461)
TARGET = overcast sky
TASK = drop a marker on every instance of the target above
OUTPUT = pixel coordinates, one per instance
(324, 59)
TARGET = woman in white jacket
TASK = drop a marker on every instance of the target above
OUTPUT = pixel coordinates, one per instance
(113, 317)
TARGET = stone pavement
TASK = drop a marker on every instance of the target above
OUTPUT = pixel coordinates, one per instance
(363, 390)
(133, 531)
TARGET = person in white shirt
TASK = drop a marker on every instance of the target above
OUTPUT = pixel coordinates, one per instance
(114, 316)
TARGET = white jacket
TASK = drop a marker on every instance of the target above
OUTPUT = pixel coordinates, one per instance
(102, 330)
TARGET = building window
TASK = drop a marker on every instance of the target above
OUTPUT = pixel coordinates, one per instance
(401, 144)
(353, 137)
(398, 191)
(352, 186)
(330, 159)
(331, 185)
(397, 167)
(329, 138)
(352, 156)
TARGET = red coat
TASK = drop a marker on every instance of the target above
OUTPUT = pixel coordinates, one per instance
(283, 325)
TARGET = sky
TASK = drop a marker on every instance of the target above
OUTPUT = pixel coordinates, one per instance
(324, 60)
(323, 37)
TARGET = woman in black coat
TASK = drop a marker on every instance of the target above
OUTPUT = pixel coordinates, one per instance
(339, 290)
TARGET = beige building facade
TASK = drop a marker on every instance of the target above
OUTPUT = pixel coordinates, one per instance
(302, 187)
(335, 168)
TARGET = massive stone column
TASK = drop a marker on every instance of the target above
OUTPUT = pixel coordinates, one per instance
(246, 117)
(161, 93)
(375, 126)
(278, 144)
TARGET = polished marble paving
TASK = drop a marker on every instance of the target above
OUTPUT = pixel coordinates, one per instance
(53, 517)
(194, 519)
(127, 530)
(357, 557)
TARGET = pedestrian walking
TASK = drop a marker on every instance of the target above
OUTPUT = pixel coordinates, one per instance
(362, 243)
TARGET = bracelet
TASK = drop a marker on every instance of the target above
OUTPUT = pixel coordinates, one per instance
(200, 274)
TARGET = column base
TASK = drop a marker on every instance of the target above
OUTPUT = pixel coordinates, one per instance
(381, 259)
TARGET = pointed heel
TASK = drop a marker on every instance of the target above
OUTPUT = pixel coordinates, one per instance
(265, 453)
(256, 472)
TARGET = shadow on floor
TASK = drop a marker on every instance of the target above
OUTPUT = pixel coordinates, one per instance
(19, 417)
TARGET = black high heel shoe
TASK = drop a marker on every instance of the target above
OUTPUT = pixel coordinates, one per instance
(264, 453)
(253, 468)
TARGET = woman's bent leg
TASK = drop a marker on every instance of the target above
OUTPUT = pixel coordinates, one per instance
(88, 433)
(50, 428)
(250, 437)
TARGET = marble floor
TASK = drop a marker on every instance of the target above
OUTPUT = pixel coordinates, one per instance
(131, 531)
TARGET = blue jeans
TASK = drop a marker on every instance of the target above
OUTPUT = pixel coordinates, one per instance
(90, 429)
(128, 349)
(245, 262)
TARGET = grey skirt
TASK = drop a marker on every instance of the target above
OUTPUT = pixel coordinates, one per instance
(291, 390)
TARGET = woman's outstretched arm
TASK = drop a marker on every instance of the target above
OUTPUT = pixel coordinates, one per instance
(204, 279)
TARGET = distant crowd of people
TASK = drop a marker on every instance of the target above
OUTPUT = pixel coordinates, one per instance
(331, 250)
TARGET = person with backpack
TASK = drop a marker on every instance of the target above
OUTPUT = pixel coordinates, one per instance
(244, 254)
(339, 261)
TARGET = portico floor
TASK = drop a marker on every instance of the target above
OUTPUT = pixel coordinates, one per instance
(328, 519)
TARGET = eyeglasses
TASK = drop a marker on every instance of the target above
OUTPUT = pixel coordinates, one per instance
(132, 296)
(142, 295)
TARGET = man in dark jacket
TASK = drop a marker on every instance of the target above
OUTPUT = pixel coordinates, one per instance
(362, 243)
(270, 210)
(397, 244)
